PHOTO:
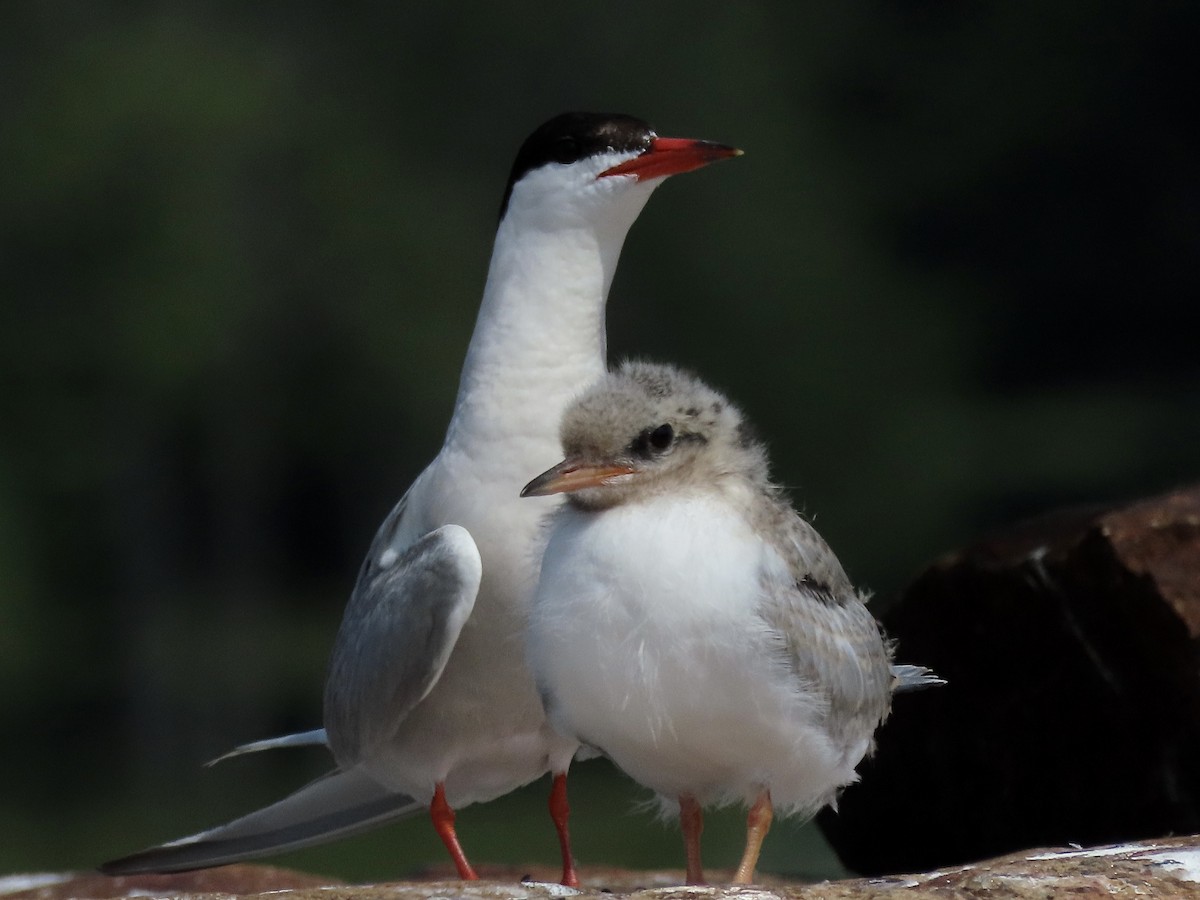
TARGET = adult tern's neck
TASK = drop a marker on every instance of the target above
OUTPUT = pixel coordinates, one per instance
(540, 337)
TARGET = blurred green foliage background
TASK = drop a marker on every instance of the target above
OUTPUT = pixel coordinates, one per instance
(953, 280)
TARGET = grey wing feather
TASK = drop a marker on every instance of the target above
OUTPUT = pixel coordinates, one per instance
(400, 626)
(314, 738)
(913, 678)
(838, 649)
(337, 805)
(831, 640)
(817, 571)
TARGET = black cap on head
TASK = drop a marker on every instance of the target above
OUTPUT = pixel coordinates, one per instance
(573, 136)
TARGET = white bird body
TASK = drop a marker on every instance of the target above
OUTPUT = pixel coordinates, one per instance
(688, 623)
(669, 593)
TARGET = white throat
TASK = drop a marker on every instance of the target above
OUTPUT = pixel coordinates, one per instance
(540, 338)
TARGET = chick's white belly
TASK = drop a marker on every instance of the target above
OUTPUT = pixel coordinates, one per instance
(646, 641)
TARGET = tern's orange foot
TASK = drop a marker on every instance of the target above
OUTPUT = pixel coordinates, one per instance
(560, 812)
(758, 823)
(443, 821)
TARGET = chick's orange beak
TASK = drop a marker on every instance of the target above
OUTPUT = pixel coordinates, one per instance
(574, 475)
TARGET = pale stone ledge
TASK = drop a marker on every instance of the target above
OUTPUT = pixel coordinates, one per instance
(1168, 868)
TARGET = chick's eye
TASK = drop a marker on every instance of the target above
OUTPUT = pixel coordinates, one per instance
(661, 437)
(653, 441)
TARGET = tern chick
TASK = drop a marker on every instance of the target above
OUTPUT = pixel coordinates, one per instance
(689, 623)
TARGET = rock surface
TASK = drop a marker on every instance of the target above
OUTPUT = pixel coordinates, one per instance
(223, 881)
(1072, 713)
(1168, 868)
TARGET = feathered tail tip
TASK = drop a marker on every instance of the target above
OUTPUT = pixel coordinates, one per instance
(315, 738)
(913, 678)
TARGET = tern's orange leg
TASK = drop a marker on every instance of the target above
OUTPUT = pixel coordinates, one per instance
(443, 822)
(559, 812)
(758, 823)
(691, 820)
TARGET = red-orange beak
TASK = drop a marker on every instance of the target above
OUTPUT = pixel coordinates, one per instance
(574, 475)
(671, 156)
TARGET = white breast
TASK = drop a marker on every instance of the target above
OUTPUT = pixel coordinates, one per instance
(646, 641)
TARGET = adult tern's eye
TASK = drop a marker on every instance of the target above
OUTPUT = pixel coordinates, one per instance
(566, 150)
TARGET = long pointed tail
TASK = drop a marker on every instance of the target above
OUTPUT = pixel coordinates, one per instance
(334, 806)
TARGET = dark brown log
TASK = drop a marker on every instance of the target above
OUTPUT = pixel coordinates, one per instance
(1072, 713)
